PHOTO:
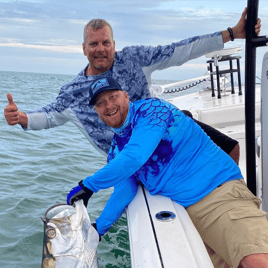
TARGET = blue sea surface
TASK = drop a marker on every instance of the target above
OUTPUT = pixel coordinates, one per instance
(38, 168)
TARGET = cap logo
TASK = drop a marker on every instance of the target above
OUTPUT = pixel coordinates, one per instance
(103, 82)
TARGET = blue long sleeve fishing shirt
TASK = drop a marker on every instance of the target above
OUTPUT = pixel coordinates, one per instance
(167, 152)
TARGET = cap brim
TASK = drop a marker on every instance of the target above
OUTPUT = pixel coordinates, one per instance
(93, 100)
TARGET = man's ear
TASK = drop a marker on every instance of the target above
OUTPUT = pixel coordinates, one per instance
(126, 95)
(84, 49)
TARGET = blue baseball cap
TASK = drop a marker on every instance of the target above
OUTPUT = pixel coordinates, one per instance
(100, 85)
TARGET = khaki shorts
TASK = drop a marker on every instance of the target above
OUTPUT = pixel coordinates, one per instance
(230, 222)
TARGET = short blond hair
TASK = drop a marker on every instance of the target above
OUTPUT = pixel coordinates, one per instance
(97, 24)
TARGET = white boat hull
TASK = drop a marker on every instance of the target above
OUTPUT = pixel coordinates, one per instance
(263, 172)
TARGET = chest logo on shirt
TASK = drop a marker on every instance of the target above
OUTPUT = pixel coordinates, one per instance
(99, 84)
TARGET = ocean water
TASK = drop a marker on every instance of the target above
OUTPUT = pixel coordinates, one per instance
(37, 170)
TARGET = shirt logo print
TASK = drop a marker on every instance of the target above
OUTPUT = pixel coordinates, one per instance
(99, 84)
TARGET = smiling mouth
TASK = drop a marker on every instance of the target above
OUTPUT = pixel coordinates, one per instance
(112, 113)
(101, 57)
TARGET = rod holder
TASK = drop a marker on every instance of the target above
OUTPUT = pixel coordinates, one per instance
(260, 41)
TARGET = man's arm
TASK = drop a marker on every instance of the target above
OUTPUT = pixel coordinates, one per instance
(123, 194)
(239, 31)
(178, 53)
(47, 117)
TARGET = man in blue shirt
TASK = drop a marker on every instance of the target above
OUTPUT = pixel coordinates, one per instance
(157, 145)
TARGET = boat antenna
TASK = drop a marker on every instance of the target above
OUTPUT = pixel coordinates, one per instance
(252, 42)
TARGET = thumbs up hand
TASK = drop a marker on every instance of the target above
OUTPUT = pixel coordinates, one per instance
(11, 111)
(13, 116)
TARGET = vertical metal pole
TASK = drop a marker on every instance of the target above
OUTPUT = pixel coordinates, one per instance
(250, 73)
(218, 81)
(239, 77)
(211, 79)
(232, 75)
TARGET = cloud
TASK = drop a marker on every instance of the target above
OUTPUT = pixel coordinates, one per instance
(21, 20)
(201, 66)
(79, 22)
(62, 49)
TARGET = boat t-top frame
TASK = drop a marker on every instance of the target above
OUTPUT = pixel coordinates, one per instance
(252, 42)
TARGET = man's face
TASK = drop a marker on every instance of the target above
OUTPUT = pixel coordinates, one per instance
(112, 107)
(99, 48)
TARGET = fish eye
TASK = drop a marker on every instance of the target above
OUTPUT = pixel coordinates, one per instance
(51, 233)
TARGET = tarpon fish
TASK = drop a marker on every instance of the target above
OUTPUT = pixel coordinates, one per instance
(70, 241)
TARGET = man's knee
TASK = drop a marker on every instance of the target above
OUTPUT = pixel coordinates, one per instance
(258, 260)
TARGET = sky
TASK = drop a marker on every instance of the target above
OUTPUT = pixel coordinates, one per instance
(46, 36)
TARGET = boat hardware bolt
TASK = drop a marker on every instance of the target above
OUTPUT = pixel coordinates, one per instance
(165, 216)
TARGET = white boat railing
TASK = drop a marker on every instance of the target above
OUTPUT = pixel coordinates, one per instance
(187, 81)
(216, 56)
(157, 90)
